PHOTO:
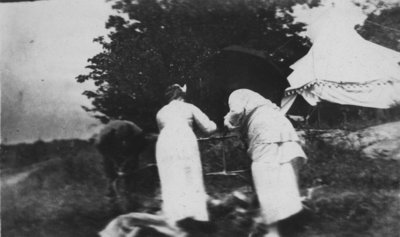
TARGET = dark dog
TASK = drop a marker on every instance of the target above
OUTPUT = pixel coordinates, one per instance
(121, 143)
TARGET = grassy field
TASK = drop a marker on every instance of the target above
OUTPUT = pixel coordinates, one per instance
(58, 189)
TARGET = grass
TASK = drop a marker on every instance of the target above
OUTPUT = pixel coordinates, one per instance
(66, 196)
(63, 198)
(359, 197)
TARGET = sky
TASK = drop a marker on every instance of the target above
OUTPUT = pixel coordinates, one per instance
(44, 45)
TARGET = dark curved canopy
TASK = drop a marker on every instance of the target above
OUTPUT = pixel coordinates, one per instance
(238, 67)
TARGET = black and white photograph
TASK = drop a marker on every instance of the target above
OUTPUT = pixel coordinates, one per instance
(200, 118)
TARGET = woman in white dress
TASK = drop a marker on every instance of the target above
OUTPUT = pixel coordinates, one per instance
(178, 157)
(273, 145)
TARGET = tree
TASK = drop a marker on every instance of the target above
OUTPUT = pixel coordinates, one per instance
(167, 41)
(383, 28)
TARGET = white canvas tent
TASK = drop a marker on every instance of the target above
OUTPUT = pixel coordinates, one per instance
(342, 67)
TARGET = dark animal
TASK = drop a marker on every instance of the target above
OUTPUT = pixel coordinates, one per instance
(121, 143)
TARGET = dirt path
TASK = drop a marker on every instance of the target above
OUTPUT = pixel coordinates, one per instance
(13, 179)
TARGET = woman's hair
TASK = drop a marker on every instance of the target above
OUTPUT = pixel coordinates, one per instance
(174, 92)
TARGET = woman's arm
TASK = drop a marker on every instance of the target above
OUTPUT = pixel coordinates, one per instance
(202, 121)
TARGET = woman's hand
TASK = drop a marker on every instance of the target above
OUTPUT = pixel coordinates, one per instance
(233, 119)
(227, 124)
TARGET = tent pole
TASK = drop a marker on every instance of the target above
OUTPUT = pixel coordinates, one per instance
(318, 116)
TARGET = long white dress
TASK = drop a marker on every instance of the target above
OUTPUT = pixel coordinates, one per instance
(273, 144)
(178, 160)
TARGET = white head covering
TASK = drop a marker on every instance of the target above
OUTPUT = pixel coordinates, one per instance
(241, 103)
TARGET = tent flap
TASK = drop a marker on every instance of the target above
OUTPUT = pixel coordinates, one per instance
(376, 94)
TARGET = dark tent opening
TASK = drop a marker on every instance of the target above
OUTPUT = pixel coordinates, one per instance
(236, 67)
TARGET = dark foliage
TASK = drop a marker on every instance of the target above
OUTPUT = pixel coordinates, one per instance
(383, 29)
(20, 155)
